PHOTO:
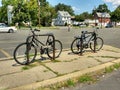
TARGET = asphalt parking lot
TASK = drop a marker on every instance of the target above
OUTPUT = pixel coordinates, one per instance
(8, 41)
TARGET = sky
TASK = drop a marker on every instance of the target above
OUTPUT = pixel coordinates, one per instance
(80, 6)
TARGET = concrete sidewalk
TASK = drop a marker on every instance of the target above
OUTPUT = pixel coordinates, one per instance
(47, 72)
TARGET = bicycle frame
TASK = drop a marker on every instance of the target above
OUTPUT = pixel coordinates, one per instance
(83, 37)
(89, 36)
(35, 41)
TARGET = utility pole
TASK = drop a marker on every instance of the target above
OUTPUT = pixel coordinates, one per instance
(102, 16)
(95, 16)
(39, 12)
(101, 20)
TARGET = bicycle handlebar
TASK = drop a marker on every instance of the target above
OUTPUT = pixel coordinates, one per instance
(86, 32)
(37, 30)
(33, 31)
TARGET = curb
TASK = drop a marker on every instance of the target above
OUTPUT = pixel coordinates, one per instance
(3, 59)
(60, 79)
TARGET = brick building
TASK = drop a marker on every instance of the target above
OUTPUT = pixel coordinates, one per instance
(103, 19)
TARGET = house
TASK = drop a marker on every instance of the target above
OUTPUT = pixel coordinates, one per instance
(100, 20)
(63, 18)
(103, 19)
(90, 22)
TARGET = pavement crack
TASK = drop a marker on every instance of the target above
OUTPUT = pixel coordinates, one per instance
(9, 73)
(50, 69)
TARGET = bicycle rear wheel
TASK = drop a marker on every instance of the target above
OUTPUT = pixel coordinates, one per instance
(20, 54)
(99, 44)
(75, 46)
(58, 49)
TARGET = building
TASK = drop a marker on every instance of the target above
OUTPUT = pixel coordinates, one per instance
(90, 22)
(103, 19)
(63, 18)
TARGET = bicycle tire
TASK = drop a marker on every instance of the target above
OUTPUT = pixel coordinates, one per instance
(20, 55)
(58, 49)
(75, 46)
(99, 42)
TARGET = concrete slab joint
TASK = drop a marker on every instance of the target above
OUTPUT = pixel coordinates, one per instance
(45, 73)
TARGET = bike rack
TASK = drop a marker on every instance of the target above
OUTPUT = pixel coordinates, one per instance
(81, 39)
(94, 42)
(49, 34)
(81, 46)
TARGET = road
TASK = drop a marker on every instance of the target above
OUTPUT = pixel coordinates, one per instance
(8, 41)
(108, 82)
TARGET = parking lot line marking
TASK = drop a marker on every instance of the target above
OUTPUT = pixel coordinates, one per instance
(5, 53)
(11, 41)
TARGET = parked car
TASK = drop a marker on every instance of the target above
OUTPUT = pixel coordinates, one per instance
(6, 28)
(82, 25)
(109, 26)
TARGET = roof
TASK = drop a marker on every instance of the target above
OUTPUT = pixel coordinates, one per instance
(64, 13)
(103, 14)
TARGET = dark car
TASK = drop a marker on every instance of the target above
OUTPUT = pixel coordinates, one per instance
(109, 26)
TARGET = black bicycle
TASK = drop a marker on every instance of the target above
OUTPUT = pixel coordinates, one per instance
(87, 40)
(26, 53)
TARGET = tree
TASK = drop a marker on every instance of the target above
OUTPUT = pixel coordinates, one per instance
(20, 12)
(3, 11)
(83, 16)
(101, 8)
(27, 10)
(47, 13)
(63, 7)
(79, 18)
(115, 15)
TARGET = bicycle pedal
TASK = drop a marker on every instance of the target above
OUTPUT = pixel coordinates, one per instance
(41, 52)
(83, 51)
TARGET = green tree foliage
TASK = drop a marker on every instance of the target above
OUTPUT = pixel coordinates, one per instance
(47, 13)
(21, 12)
(79, 18)
(101, 8)
(83, 16)
(115, 15)
(63, 7)
(27, 10)
(3, 10)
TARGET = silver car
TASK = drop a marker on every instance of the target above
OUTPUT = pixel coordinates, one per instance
(6, 28)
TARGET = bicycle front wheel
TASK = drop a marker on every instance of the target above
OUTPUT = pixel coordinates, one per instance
(58, 49)
(99, 44)
(20, 54)
(75, 46)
